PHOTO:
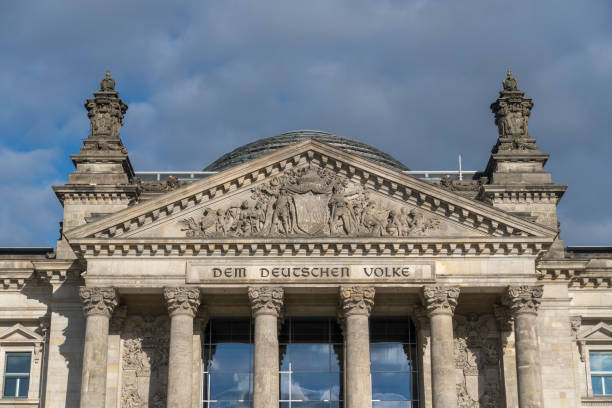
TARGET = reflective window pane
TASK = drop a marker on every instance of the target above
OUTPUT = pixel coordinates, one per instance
(390, 357)
(310, 330)
(601, 360)
(309, 357)
(227, 353)
(393, 354)
(310, 386)
(24, 386)
(284, 386)
(228, 404)
(230, 386)
(17, 363)
(392, 386)
(230, 357)
(607, 380)
(597, 383)
(10, 387)
(392, 404)
(311, 363)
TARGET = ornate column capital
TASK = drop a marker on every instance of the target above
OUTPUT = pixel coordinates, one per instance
(266, 300)
(182, 300)
(356, 300)
(440, 299)
(101, 301)
(524, 299)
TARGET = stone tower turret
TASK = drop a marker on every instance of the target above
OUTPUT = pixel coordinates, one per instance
(102, 182)
(517, 181)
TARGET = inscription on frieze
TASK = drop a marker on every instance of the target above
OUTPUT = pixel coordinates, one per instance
(309, 272)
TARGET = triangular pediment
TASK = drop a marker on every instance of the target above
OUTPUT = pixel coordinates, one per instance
(601, 331)
(305, 191)
(20, 334)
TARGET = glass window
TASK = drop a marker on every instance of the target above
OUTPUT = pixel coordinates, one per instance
(601, 372)
(17, 375)
(227, 356)
(393, 355)
(311, 352)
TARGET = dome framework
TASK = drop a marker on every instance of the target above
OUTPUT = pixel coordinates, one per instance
(267, 145)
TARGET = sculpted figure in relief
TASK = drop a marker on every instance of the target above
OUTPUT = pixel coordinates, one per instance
(309, 202)
(145, 341)
(477, 360)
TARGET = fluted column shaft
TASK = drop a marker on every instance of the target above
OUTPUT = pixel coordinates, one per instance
(266, 305)
(356, 304)
(523, 302)
(440, 302)
(183, 303)
(98, 305)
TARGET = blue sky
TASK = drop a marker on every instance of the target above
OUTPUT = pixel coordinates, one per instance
(412, 78)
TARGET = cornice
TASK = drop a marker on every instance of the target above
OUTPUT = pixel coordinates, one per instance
(575, 273)
(469, 213)
(95, 194)
(460, 246)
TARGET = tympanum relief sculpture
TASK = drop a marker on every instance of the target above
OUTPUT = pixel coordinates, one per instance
(144, 377)
(310, 201)
(477, 361)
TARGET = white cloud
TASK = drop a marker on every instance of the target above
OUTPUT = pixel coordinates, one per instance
(413, 78)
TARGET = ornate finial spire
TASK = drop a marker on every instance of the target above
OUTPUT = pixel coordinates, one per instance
(512, 111)
(106, 110)
(107, 83)
(510, 83)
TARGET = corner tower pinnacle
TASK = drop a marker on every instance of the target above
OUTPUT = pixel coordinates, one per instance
(516, 179)
(102, 181)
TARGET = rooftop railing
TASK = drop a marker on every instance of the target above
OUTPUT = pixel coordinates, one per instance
(427, 175)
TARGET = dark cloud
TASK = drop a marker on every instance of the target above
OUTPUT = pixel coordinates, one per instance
(413, 78)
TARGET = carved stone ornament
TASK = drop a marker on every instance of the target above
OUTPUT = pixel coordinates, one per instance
(266, 300)
(309, 201)
(524, 299)
(182, 300)
(440, 299)
(512, 110)
(105, 110)
(575, 324)
(98, 300)
(144, 377)
(450, 184)
(356, 300)
(477, 360)
(103, 146)
(161, 186)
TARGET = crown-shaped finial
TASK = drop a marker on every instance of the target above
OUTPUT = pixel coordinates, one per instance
(107, 83)
(510, 83)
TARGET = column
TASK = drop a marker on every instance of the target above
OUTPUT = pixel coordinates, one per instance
(266, 305)
(421, 321)
(523, 302)
(98, 305)
(508, 353)
(114, 356)
(440, 302)
(199, 325)
(183, 303)
(356, 304)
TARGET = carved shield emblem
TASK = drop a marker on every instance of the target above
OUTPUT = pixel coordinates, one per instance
(312, 212)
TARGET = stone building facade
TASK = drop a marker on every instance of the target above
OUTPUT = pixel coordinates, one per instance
(307, 270)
